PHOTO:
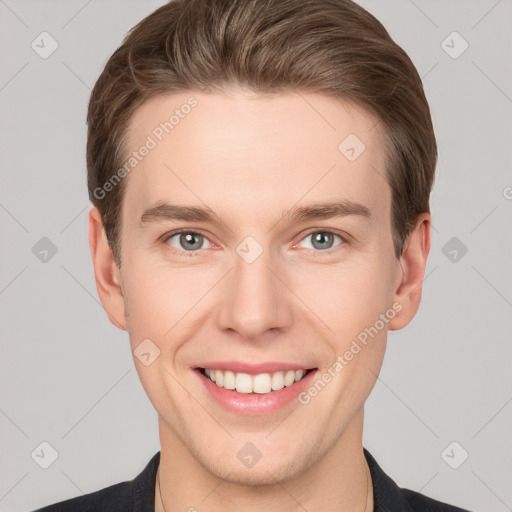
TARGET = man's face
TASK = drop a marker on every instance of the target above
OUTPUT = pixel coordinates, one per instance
(255, 288)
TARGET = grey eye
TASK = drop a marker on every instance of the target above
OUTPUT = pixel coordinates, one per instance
(188, 241)
(321, 240)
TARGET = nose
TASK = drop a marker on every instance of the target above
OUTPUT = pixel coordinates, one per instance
(254, 302)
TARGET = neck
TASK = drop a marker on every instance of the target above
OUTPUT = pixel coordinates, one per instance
(339, 481)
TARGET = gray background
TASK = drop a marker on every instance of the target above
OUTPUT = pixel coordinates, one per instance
(67, 375)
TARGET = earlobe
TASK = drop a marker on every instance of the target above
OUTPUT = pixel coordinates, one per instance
(106, 272)
(412, 271)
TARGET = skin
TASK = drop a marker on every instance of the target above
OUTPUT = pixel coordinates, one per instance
(249, 158)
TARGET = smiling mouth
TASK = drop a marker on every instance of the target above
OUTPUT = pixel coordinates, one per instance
(261, 383)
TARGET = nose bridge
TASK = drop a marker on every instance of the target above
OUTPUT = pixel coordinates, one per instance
(253, 300)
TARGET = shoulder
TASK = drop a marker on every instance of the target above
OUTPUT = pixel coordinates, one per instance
(115, 497)
(389, 497)
(417, 501)
(137, 495)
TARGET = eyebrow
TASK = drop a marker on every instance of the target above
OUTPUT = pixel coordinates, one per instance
(321, 211)
(167, 211)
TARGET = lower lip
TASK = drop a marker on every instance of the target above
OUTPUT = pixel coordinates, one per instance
(255, 403)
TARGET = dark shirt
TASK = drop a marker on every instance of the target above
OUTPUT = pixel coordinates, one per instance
(138, 495)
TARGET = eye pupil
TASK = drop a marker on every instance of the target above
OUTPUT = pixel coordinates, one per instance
(322, 240)
(191, 241)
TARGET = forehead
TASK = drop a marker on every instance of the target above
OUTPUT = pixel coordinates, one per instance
(242, 153)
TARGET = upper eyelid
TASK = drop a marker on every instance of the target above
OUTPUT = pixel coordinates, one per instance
(172, 234)
(326, 230)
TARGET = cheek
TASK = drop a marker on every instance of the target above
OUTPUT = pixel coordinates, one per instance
(347, 298)
(161, 298)
(147, 300)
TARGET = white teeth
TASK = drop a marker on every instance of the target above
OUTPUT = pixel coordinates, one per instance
(229, 380)
(219, 378)
(243, 383)
(261, 383)
(277, 381)
(289, 378)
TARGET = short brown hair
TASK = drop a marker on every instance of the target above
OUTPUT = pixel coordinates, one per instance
(332, 47)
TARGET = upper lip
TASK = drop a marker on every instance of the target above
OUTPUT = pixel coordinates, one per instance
(252, 368)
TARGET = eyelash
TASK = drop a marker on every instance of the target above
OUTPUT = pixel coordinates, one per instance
(182, 253)
(325, 252)
(188, 254)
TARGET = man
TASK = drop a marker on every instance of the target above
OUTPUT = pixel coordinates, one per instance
(260, 172)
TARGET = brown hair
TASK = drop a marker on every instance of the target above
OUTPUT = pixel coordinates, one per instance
(332, 47)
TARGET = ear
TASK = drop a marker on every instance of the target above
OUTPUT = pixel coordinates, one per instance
(106, 273)
(410, 280)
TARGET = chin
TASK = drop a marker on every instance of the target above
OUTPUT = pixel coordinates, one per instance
(257, 476)
(264, 472)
